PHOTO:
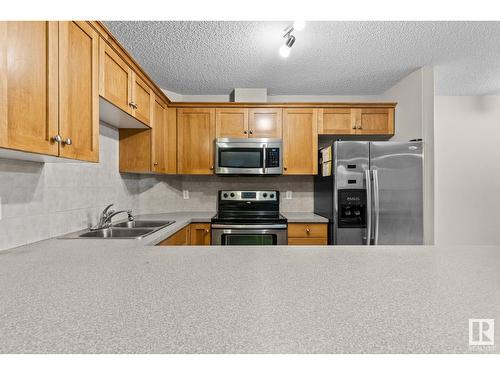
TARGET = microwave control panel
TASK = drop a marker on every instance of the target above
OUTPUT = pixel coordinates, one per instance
(272, 157)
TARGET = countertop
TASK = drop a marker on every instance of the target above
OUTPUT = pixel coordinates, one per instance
(124, 296)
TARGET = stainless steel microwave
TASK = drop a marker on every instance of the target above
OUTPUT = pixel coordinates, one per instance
(253, 156)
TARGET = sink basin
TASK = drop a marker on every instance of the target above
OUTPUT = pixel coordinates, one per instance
(143, 224)
(117, 233)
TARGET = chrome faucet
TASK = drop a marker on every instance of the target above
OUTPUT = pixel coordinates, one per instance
(107, 215)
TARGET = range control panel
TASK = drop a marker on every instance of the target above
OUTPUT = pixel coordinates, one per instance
(237, 195)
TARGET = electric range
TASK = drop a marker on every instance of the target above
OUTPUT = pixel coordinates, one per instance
(248, 217)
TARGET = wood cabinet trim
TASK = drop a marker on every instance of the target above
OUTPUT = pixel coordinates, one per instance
(282, 105)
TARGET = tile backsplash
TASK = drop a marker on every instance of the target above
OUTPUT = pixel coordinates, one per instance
(46, 200)
(43, 200)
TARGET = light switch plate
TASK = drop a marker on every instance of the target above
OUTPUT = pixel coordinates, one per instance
(288, 194)
(185, 194)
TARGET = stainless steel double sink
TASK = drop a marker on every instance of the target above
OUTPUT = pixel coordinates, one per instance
(130, 229)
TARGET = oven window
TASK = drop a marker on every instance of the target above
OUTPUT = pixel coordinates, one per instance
(249, 239)
(240, 158)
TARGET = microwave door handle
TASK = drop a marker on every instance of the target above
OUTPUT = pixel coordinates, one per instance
(264, 150)
(368, 206)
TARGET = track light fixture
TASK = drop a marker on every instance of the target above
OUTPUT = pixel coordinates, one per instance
(289, 38)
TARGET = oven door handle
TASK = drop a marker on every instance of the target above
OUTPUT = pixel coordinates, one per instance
(249, 226)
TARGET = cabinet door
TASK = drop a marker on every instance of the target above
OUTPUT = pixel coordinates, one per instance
(231, 122)
(78, 91)
(28, 86)
(179, 238)
(171, 140)
(195, 138)
(300, 141)
(336, 121)
(142, 100)
(265, 122)
(159, 138)
(115, 78)
(377, 121)
(200, 234)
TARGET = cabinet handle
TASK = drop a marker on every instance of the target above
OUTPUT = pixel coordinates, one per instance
(207, 231)
(133, 105)
(245, 132)
(285, 168)
(155, 163)
(308, 230)
(57, 138)
(68, 141)
(211, 167)
(251, 131)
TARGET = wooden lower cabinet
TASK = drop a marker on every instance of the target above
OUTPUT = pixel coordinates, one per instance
(195, 234)
(199, 234)
(307, 234)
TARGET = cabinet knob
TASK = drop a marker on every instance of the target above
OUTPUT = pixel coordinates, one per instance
(207, 231)
(251, 131)
(354, 126)
(359, 126)
(57, 138)
(211, 167)
(155, 163)
(68, 141)
(285, 168)
(133, 105)
(308, 230)
(245, 132)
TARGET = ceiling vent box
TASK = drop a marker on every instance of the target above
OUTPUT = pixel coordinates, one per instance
(248, 95)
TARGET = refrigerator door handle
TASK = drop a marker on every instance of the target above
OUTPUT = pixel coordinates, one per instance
(368, 206)
(376, 206)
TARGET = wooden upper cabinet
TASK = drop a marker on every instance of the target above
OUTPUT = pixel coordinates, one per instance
(265, 122)
(78, 91)
(29, 86)
(231, 122)
(115, 78)
(159, 138)
(195, 139)
(300, 141)
(376, 121)
(336, 121)
(142, 100)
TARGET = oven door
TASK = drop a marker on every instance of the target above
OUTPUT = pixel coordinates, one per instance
(249, 235)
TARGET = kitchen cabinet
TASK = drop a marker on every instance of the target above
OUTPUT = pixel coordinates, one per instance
(49, 77)
(265, 122)
(121, 86)
(356, 121)
(231, 122)
(195, 138)
(307, 234)
(375, 121)
(199, 234)
(151, 150)
(300, 141)
(179, 238)
(195, 234)
(78, 94)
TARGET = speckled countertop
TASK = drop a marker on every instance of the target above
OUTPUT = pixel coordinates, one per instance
(123, 296)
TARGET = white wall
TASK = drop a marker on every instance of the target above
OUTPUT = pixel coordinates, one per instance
(46, 200)
(467, 155)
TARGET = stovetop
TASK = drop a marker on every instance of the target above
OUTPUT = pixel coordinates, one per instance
(248, 218)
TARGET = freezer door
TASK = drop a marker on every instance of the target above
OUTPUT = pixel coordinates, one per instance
(351, 160)
(397, 193)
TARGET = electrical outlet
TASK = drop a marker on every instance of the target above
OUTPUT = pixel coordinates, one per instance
(185, 194)
(288, 194)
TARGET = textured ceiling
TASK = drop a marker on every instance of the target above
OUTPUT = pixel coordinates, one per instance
(328, 58)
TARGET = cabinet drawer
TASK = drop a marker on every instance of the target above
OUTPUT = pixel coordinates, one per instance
(307, 230)
(179, 238)
(308, 241)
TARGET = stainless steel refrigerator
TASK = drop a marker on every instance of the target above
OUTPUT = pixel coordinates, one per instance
(371, 192)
